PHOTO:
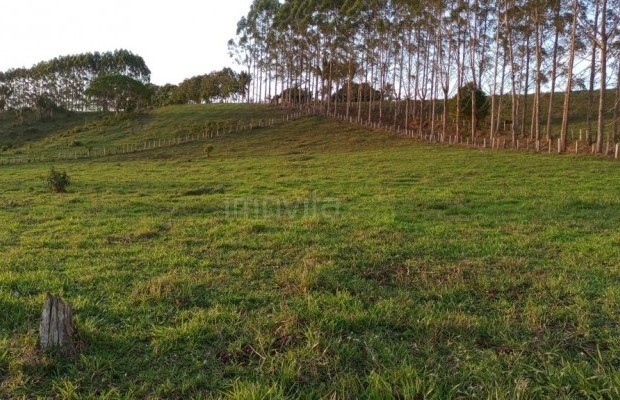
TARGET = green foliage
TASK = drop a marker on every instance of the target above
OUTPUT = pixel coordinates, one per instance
(213, 87)
(46, 106)
(118, 92)
(294, 95)
(58, 181)
(63, 80)
(359, 92)
(483, 106)
(165, 95)
(5, 93)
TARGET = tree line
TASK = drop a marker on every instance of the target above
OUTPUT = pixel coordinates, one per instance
(218, 86)
(63, 81)
(110, 81)
(419, 55)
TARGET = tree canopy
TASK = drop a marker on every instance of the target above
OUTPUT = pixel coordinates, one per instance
(217, 86)
(118, 92)
(422, 52)
(64, 79)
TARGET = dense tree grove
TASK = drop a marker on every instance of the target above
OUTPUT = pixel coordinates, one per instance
(422, 52)
(118, 92)
(217, 86)
(63, 81)
(111, 81)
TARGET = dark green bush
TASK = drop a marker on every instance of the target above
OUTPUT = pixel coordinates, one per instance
(58, 181)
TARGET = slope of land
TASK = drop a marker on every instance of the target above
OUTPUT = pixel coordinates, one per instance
(316, 259)
(77, 132)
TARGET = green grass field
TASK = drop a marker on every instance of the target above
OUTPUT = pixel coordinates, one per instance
(314, 260)
(77, 132)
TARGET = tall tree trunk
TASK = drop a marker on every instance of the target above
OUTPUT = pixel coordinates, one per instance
(423, 88)
(569, 77)
(446, 88)
(600, 132)
(495, 67)
(349, 88)
(360, 95)
(527, 84)
(459, 82)
(473, 64)
(416, 87)
(535, 129)
(592, 75)
(399, 96)
(554, 69)
(329, 85)
(500, 102)
(409, 72)
(372, 80)
(513, 82)
(616, 123)
(433, 94)
(382, 66)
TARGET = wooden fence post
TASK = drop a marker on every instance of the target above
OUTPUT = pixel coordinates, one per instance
(57, 329)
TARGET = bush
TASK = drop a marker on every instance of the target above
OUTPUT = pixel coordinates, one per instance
(58, 181)
(482, 102)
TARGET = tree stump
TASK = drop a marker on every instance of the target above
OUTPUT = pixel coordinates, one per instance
(57, 329)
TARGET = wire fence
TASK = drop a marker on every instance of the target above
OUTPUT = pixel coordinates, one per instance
(610, 149)
(137, 147)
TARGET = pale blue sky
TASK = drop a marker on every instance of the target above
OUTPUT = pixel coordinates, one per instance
(177, 39)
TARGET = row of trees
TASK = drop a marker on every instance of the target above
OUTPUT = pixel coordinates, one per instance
(63, 81)
(112, 81)
(218, 86)
(422, 52)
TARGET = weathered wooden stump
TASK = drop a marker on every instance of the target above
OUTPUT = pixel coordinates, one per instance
(57, 329)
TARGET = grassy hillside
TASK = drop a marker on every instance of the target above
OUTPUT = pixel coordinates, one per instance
(68, 134)
(76, 132)
(316, 260)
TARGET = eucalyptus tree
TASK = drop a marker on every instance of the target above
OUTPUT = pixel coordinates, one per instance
(165, 95)
(602, 45)
(416, 54)
(5, 93)
(569, 77)
(559, 22)
(591, 31)
(63, 80)
(117, 92)
(609, 33)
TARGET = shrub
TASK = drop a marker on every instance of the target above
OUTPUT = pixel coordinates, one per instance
(482, 102)
(58, 181)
